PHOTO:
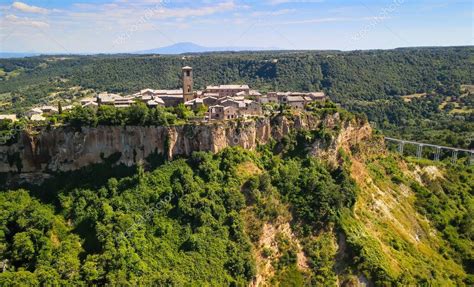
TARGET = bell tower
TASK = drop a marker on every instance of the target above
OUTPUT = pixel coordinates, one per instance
(187, 73)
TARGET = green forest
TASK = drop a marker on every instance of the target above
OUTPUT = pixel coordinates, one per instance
(197, 222)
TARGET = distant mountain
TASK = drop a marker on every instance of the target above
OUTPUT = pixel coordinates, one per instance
(4, 55)
(175, 49)
(188, 47)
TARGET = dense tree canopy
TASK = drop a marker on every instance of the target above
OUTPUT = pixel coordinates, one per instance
(345, 76)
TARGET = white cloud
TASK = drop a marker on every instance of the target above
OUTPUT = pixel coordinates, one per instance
(328, 19)
(29, 8)
(15, 20)
(272, 13)
(128, 14)
(222, 7)
(197, 12)
(278, 2)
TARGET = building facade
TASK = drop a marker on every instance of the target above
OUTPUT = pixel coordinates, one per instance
(228, 90)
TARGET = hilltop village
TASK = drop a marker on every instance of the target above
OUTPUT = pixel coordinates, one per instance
(222, 102)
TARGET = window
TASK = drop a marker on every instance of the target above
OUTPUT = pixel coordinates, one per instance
(189, 89)
(188, 73)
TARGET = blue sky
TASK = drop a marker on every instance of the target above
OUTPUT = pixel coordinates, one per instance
(71, 26)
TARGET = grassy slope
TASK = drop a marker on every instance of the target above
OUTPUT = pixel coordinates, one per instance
(393, 241)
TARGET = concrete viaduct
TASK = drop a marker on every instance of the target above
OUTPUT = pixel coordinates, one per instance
(437, 149)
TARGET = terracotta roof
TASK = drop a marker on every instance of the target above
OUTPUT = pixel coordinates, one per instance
(152, 103)
(193, 101)
(145, 97)
(36, 110)
(146, 91)
(168, 92)
(90, 104)
(254, 93)
(211, 95)
(318, 94)
(88, 100)
(159, 100)
(227, 87)
(295, 99)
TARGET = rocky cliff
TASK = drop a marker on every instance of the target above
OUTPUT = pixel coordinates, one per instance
(67, 149)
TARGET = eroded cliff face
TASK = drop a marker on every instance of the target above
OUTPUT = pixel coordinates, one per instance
(67, 149)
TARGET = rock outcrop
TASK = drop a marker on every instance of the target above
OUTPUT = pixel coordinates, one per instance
(66, 149)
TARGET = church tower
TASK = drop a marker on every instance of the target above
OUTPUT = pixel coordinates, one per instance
(187, 73)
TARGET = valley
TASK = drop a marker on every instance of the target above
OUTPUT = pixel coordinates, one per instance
(100, 186)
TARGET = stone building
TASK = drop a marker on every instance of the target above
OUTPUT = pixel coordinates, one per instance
(49, 110)
(194, 104)
(228, 90)
(114, 100)
(230, 103)
(219, 112)
(209, 101)
(156, 102)
(169, 98)
(293, 99)
(251, 108)
(187, 78)
(297, 102)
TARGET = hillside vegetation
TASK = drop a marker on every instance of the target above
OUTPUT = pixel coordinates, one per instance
(275, 217)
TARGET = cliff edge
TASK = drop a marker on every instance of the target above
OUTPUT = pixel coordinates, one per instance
(63, 149)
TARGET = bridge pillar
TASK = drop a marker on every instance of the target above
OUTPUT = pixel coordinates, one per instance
(401, 144)
(437, 153)
(455, 156)
(419, 151)
(471, 158)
